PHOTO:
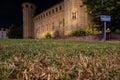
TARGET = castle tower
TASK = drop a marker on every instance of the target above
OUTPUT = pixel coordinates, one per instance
(28, 14)
(76, 16)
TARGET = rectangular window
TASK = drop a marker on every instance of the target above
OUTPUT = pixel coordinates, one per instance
(46, 14)
(63, 22)
(43, 28)
(74, 15)
(41, 16)
(52, 10)
(49, 12)
(47, 27)
(53, 26)
(60, 8)
(56, 9)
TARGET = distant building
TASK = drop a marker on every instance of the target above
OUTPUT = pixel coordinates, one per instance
(3, 33)
(65, 17)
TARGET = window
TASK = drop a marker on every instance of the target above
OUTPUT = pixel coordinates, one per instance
(53, 26)
(49, 12)
(41, 16)
(56, 9)
(31, 7)
(52, 10)
(63, 22)
(47, 27)
(60, 8)
(43, 28)
(74, 15)
(63, 26)
(46, 14)
(26, 6)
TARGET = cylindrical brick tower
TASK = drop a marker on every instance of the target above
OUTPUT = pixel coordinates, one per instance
(28, 14)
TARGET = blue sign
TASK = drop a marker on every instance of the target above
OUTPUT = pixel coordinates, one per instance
(105, 18)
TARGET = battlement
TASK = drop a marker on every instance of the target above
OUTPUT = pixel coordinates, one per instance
(50, 12)
(29, 5)
(64, 17)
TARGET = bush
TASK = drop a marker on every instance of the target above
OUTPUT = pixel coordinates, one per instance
(56, 34)
(117, 31)
(15, 32)
(48, 35)
(81, 33)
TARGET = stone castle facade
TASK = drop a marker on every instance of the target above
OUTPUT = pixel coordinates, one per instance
(63, 18)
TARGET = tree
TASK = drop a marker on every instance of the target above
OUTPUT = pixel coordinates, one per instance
(14, 31)
(110, 7)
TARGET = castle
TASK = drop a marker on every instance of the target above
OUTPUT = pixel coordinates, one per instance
(63, 18)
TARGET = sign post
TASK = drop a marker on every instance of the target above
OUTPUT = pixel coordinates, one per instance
(105, 18)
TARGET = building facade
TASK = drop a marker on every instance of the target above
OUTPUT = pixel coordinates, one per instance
(63, 18)
(3, 33)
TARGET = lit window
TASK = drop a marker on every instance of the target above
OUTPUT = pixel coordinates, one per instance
(74, 15)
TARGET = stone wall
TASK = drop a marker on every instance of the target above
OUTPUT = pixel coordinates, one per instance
(28, 14)
(97, 37)
(88, 38)
(50, 21)
(76, 16)
(65, 17)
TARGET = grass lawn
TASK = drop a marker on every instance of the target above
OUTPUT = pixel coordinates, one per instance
(59, 60)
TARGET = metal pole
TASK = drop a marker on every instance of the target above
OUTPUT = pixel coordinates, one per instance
(104, 37)
(102, 3)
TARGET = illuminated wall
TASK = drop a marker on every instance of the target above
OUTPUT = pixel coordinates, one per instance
(63, 18)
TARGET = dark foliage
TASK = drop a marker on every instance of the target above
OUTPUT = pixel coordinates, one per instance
(80, 33)
(15, 32)
(107, 7)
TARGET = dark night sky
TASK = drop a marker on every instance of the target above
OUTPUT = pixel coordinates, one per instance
(11, 10)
